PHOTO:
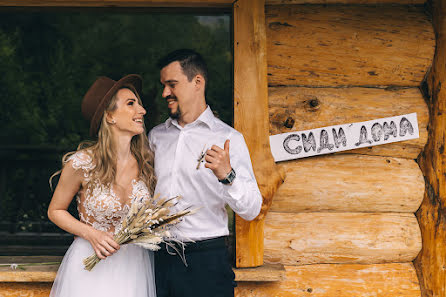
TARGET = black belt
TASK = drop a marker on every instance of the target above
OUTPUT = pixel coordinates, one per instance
(200, 245)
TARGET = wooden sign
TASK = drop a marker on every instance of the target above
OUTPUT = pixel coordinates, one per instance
(320, 141)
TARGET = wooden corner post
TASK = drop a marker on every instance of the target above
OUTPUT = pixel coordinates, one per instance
(251, 118)
(431, 262)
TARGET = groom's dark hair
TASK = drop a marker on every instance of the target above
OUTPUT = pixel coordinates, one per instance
(191, 62)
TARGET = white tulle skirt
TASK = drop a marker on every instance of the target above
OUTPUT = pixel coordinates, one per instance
(127, 273)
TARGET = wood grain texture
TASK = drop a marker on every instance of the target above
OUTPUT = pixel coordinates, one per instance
(28, 276)
(251, 119)
(350, 183)
(364, 2)
(25, 289)
(249, 242)
(264, 273)
(431, 262)
(119, 3)
(348, 45)
(310, 108)
(339, 280)
(363, 238)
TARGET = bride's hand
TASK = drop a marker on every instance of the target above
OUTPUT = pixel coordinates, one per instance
(102, 242)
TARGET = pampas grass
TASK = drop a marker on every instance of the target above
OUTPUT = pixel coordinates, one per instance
(146, 224)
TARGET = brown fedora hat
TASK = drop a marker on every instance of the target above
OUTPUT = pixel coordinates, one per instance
(99, 95)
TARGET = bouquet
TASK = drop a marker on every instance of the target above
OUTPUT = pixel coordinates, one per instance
(146, 225)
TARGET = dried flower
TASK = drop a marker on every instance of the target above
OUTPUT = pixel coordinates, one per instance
(146, 225)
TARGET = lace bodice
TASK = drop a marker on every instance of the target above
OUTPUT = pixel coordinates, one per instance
(98, 205)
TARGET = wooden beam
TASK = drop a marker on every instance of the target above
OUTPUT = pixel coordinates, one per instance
(338, 280)
(431, 262)
(251, 119)
(47, 273)
(314, 45)
(28, 276)
(264, 273)
(32, 273)
(318, 238)
(351, 183)
(119, 3)
(298, 109)
(362, 2)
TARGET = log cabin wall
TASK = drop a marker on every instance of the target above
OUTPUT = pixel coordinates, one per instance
(344, 224)
(431, 262)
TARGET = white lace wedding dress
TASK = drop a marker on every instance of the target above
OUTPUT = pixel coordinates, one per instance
(129, 272)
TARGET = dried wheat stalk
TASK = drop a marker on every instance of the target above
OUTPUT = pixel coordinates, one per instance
(146, 225)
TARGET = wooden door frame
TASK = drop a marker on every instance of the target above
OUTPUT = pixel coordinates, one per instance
(251, 116)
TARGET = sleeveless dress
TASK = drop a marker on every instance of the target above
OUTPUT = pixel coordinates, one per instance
(127, 273)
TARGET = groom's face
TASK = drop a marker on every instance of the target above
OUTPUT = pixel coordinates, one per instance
(178, 90)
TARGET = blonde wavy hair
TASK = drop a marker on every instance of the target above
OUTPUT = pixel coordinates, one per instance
(103, 152)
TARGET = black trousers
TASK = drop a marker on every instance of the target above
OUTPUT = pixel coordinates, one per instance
(208, 272)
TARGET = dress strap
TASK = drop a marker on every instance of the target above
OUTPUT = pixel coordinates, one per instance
(82, 160)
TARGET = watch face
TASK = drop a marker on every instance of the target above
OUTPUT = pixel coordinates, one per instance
(230, 178)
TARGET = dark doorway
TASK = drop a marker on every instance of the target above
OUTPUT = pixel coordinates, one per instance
(48, 59)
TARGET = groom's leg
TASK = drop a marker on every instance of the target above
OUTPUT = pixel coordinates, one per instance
(208, 272)
(162, 270)
(213, 275)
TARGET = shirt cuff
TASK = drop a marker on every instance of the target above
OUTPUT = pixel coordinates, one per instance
(230, 192)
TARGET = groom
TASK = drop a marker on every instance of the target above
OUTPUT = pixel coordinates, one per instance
(205, 161)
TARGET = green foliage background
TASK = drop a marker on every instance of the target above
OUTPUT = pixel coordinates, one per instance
(48, 60)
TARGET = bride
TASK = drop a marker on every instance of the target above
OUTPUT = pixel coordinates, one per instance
(105, 176)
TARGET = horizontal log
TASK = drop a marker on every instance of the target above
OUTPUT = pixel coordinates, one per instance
(36, 268)
(340, 280)
(298, 109)
(351, 183)
(348, 45)
(28, 276)
(364, 2)
(25, 289)
(355, 238)
(119, 3)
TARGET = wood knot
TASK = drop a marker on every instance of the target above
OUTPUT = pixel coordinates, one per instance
(289, 123)
(278, 25)
(313, 104)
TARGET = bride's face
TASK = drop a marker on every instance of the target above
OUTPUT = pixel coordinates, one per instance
(128, 116)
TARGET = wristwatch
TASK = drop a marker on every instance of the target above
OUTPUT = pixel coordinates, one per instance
(229, 179)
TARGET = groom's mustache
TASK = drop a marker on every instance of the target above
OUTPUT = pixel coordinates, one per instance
(171, 97)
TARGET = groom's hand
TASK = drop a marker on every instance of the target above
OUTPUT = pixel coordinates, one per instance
(217, 159)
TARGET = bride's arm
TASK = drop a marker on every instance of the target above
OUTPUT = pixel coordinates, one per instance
(69, 184)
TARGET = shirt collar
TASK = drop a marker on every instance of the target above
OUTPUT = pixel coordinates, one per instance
(206, 117)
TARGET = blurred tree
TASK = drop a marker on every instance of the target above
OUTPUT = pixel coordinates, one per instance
(50, 60)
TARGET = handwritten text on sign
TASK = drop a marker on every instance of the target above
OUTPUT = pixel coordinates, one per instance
(294, 145)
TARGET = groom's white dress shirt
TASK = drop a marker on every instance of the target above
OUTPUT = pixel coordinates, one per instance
(177, 151)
